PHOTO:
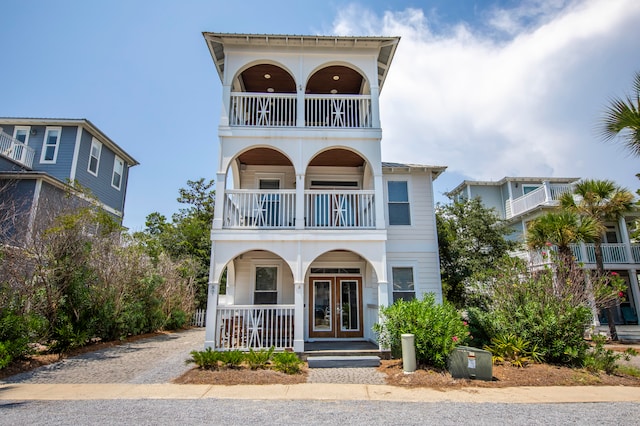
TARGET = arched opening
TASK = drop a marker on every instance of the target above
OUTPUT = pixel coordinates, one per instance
(337, 79)
(265, 78)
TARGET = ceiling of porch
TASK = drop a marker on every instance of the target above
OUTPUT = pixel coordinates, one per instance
(270, 157)
(267, 78)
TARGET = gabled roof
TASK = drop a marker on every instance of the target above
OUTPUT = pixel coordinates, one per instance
(506, 179)
(91, 128)
(386, 46)
(408, 168)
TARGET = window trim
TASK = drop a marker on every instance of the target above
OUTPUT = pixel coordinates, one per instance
(404, 265)
(530, 187)
(113, 173)
(27, 130)
(98, 144)
(267, 264)
(408, 202)
(45, 145)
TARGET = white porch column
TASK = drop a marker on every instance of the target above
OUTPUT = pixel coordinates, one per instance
(375, 107)
(226, 101)
(300, 106)
(212, 311)
(547, 191)
(300, 202)
(624, 233)
(635, 290)
(379, 200)
(218, 211)
(298, 328)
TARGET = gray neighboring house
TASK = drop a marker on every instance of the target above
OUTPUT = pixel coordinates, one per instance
(40, 157)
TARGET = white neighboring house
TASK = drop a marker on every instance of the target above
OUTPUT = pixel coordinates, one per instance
(521, 199)
(312, 232)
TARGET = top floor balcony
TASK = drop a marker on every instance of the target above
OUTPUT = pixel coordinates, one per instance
(546, 195)
(281, 110)
(15, 150)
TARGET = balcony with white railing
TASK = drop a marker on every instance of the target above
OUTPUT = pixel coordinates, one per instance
(547, 194)
(276, 209)
(612, 254)
(280, 110)
(245, 327)
(15, 150)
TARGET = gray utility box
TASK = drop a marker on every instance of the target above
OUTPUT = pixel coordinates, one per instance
(470, 363)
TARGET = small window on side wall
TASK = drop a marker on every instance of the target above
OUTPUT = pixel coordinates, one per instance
(403, 287)
(50, 145)
(266, 292)
(118, 170)
(399, 210)
(94, 157)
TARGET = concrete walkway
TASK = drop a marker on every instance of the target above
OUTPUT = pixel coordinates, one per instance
(144, 368)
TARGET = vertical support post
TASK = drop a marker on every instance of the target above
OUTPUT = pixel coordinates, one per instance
(212, 313)
(300, 201)
(379, 201)
(298, 328)
(300, 106)
(218, 211)
(375, 107)
(547, 192)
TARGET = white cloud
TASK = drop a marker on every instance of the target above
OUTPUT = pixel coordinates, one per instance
(488, 106)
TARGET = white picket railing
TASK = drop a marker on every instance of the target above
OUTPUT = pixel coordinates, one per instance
(199, 318)
(339, 209)
(343, 111)
(611, 253)
(16, 150)
(635, 250)
(262, 109)
(247, 327)
(536, 198)
(259, 209)
(558, 190)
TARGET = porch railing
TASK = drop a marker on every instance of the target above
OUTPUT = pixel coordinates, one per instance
(612, 253)
(262, 109)
(339, 209)
(259, 209)
(280, 110)
(16, 150)
(245, 327)
(536, 198)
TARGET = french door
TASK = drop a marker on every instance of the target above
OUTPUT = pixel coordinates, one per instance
(335, 307)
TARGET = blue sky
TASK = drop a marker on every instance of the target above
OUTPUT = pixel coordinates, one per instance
(487, 88)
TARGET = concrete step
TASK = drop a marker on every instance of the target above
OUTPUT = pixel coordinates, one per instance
(343, 361)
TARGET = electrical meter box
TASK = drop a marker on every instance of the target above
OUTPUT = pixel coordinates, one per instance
(470, 363)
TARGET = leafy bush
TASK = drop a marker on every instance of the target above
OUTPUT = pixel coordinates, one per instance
(177, 319)
(287, 362)
(232, 359)
(438, 329)
(206, 360)
(15, 335)
(260, 359)
(530, 306)
(601, 359)
(514, 350)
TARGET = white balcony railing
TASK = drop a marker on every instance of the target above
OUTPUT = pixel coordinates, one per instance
(259, 109)
(16, 150)
(245, 327)
(259, 209)
(535, 198)
(339, 209)
(280, 110)
(612, 253)
(635, 250)
(340, 111)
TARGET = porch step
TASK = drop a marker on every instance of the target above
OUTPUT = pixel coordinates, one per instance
(342, 361)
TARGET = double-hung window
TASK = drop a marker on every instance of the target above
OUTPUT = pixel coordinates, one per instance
(118, 170)
(21, 134)
(94, 157)
(266, 291)
(399, 211)
(403, 287)
(50, 145)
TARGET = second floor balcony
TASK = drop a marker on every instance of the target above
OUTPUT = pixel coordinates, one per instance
(546, 195)
(281, 110)
(15, 150)
(612, 254)
(323, 209)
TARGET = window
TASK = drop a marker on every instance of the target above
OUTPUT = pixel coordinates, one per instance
(50, 145)
(21, 133)
(118, 169)
(403, 283)
(266, 292)
(94, 157)
(529, 188)
(398, 203)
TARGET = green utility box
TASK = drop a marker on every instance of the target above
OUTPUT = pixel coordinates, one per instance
(470, 363)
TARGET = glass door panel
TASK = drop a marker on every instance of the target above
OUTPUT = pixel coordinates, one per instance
(349, 306)
(322, 314)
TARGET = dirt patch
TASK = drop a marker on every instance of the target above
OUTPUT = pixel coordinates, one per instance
(196, 376)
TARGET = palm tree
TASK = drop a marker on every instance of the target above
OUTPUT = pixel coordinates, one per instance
(601, 201)
(622, 118)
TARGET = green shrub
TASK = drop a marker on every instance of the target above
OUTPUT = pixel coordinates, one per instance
(438, 329)
(232, 359)
(177, 319)
(260, 359)
(287, 362)
(513, 350)
(16, 332)
(206, 360)
(601, 359)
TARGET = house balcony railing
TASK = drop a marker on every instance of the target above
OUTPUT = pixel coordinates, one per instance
(245, 327)
(280, 110)
(612, 253)
(15, 150)
(323, 209)
(547, 194)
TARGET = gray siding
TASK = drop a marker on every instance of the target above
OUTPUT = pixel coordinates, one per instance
(16, 200)
(491, 197)
(62, 167)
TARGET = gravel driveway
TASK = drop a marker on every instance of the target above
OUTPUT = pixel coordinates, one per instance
(154, 360)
